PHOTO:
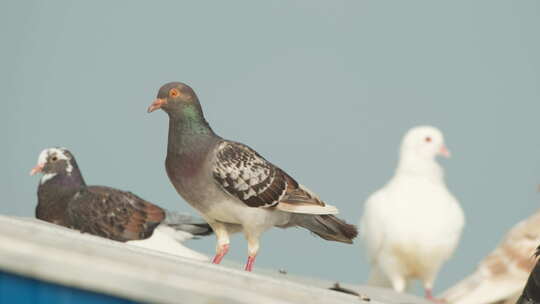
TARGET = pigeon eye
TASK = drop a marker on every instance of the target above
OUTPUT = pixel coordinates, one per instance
(54, 158)
(428, 139)
(174, 93)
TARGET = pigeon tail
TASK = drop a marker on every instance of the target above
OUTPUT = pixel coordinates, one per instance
(186, 223)
(327, 227)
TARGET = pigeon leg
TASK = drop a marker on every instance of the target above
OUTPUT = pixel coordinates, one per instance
(222, 246)
(398, 283)
(221, 251)
(429, 296)
(428, 287)
(253, 249)
(250, 262)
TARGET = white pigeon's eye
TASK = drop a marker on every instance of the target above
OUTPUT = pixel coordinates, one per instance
(54, 158)
(428, 139)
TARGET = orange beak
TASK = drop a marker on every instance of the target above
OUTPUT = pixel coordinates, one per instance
(157, 104)
(38, 168)
(444, 152)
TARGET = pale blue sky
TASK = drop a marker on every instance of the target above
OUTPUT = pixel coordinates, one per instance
(324, 89)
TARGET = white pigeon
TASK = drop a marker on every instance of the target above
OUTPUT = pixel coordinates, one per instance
(501, 275)
(413, 224)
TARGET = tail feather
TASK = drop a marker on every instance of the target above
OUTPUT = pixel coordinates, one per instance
(327, 227)
(306, 208)
(187, 223)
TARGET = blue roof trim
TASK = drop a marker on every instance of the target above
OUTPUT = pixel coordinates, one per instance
(23, 290)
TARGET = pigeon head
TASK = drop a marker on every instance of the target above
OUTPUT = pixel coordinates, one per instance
(424, 142)
(54, 161)
(176, 98)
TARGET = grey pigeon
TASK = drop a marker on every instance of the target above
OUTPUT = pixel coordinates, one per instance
(232, 186)
(65, 199)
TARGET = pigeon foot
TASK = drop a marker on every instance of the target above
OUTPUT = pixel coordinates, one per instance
(250, 262)
(223, 249)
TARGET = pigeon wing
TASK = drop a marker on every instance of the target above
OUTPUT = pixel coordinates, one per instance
(241, 172)
(503, 273)
(113, 214)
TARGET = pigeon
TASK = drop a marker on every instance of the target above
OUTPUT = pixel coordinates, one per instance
(501, 275)
(65, 199)
(413, 224)
(531, 292)
(233, 187)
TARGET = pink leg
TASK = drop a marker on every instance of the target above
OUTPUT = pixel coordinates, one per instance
(429, 296)
(223, 249)
(250, 262)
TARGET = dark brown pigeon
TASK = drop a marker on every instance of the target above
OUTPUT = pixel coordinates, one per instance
(66, 200)
(232, 186)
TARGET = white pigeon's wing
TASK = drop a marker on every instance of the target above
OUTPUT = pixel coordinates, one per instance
(371, 224)
(503, 272)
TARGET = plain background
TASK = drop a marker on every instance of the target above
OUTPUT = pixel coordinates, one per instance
(324, 89)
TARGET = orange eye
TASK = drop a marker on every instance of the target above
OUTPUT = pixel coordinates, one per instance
(174, 93)
(428, 139)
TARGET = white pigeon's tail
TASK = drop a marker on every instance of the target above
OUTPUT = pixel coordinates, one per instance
(480, 289)
(168, 240)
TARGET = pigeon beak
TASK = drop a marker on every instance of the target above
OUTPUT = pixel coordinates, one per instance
(444, 151)
(36, 169)
(157, 104)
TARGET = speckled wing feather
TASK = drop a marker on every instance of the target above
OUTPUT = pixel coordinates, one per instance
(503, 273)
(246, 175)
(113, 214)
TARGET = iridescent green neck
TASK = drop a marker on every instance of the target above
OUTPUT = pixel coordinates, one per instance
(187, 129)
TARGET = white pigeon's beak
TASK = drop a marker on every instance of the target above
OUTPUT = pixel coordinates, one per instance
(444, 152)
(38, 168)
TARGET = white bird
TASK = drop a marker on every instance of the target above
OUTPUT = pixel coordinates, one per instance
(501, 275)
(413, 224)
